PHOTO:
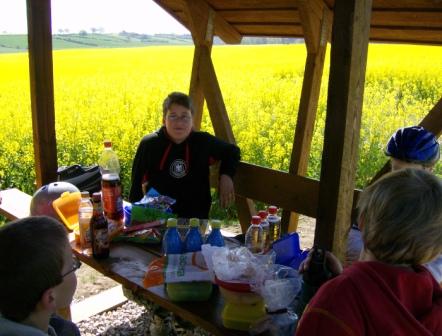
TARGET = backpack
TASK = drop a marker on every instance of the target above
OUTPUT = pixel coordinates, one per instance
(85, 178)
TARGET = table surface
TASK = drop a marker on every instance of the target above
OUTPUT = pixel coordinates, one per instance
(127, 265)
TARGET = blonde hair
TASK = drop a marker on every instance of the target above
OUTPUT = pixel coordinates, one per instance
(402, 217)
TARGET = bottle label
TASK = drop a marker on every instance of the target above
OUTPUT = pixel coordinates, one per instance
(101, 240)
(112, 200)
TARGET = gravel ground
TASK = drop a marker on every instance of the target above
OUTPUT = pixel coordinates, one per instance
(145, 318)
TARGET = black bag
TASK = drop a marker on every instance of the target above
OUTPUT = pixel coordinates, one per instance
(84, 178)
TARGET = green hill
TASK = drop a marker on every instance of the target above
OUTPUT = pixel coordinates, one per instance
(18, 43)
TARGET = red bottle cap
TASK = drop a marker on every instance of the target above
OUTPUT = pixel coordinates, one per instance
(256, 220)
(273, 210)
(263, 214)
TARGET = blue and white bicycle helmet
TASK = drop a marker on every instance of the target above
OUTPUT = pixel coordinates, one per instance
(414, 144)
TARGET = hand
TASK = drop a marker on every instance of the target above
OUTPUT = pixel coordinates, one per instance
(226, 191)
(332, 263)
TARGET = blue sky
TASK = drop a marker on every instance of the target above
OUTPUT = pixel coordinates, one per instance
(114, 16)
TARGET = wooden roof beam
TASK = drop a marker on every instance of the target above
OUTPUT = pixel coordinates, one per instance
(42, 90)
(351, 26)
(221, 27)
(316, 21)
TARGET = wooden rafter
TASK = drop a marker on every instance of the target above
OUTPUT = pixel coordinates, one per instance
(42, 90)
(316, 21)
(221, 27)
(351, 25)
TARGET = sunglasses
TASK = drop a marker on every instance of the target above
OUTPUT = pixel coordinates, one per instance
(76, 264)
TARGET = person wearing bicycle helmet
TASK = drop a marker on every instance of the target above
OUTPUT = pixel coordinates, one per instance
(413, 147)
(408, 147)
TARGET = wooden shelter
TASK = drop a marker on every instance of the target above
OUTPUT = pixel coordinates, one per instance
(347, 25)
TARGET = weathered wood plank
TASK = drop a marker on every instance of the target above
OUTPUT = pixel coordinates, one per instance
(42, 90)
(288, 30)
(220, 121)
(202, 29)
(15, 204)
(223, 29)
(406, 19)
(406, 35)
(290, 192)
(254, 4)
(316, 31)
(351, 26)
(262, 16)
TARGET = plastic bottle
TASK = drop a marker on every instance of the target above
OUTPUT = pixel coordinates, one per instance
(172, 243)
(193, 240)
(316, 274)
(265, 229)
(215, 237)
(111, 188)
(274, 224)
(99, 229)
(253, 239)
(85, 212)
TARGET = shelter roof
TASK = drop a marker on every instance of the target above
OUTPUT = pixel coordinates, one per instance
(395, 21)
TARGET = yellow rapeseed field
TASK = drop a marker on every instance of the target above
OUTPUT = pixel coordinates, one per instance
(117, 94)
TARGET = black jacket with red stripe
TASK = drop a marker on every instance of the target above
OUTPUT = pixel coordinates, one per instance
(181, 171)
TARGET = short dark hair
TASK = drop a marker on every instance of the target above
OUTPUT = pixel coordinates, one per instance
(178, 98)
(31, 261)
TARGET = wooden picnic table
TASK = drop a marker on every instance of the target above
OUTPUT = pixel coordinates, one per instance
(127, 265)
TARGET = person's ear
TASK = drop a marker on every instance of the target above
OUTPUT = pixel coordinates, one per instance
(47, 300)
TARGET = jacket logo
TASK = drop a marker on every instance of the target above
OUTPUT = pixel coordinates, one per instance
(178, 168)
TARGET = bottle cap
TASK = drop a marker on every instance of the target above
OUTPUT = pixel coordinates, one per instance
(215, 224)
(96, 196)
(273, 210)
(256, 219)
(194, 222)
(85, 194)
(172, 222)
(107, 143)
(263, 214)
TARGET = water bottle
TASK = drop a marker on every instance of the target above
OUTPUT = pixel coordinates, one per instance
(265, 229)
(316, 274)
(193, 240)
(111, 188)
(215, 237)
(85, 212)
(274, 224)
(172, 243)
(253, 239)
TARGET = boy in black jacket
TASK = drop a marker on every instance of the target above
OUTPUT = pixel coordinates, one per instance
(175, 161)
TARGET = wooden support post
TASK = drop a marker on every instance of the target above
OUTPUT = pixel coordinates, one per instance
(316, 20)
(351, 26)
(42, 90)
(204, 84)
(431, 122)
(221, 124)
(202, 28)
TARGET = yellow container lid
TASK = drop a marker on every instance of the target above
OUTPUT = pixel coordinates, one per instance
(66, 207)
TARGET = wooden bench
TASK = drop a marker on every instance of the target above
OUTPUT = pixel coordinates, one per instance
(15, 204)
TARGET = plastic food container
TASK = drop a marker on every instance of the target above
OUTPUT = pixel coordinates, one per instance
(189, 291)
(66, 207)
(242, 306)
